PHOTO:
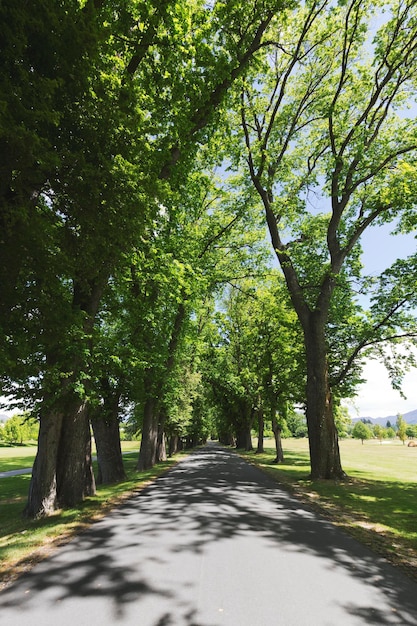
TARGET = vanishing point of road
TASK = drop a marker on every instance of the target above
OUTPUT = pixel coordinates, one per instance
(213, 542)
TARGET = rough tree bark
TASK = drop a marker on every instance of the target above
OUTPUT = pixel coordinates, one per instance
(75, 478)
(105, 424)
(62, 474)
(322, 433)
(261, 428)
(244, 427)
(42, 497)
(148, 444)
(276, 429)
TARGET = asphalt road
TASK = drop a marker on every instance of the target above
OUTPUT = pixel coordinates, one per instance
(213, 542)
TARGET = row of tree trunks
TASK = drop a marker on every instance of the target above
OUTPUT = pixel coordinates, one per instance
(153, 443)
(174, 445)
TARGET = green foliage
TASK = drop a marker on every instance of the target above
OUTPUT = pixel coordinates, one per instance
(254, 353)
(361, 431)
(379, 432)
(115, 232)
(297, 425)
(343, 421)
(401, 427)
(326, 142)
(19, 429)
(411, 431)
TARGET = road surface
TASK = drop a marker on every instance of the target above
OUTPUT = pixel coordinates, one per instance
(213, 542)
(18, 472)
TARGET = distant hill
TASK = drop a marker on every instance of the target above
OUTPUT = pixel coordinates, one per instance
(410, 418)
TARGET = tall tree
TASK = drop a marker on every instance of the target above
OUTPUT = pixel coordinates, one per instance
(329, 148)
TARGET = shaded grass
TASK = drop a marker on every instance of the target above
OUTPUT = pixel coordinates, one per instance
(24, 542)
(377, 503)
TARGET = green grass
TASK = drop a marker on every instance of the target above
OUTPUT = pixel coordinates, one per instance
(378, 501)
(16, 457)
(19, 457)
(24, 542)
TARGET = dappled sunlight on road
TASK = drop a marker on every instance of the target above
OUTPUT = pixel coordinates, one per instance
(212, 542)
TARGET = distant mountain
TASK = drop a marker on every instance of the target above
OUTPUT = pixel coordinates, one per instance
(410, 418)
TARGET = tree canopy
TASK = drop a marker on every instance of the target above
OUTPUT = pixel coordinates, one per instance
(146, 148)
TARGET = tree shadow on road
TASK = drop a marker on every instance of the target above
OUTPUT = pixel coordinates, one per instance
(212, 496)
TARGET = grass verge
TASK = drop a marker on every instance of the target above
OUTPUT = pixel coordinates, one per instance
(377, 503)
(25, 542)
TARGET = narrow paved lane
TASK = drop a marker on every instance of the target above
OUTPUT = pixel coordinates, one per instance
(214, 542)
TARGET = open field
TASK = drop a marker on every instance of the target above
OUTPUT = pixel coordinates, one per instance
(378, 501)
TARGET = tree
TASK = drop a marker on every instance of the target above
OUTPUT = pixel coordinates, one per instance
(379, 432)
(255, 361)
(401, 426)
(342, 421)
(329, 156)
(297, 425)
(361, 431)
(91, 166)
(411, 431)
(19, 428)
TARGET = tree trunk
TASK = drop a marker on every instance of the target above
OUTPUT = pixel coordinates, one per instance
(148, 444)
(105, 423)
(62, 473)
(244, 426)
(244, 438)
(153, 439)
(174, 445)
(322, 433)
(276, 428)
(261, 428)
(75, 478)
(161, 452)
(42, 497)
